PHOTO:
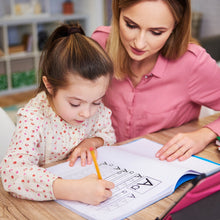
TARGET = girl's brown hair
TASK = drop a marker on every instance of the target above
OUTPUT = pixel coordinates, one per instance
(69, 51)
(175, 46)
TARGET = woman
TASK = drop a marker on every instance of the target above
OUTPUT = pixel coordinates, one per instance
(162, 76)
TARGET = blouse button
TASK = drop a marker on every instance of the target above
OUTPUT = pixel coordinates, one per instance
(145, 76)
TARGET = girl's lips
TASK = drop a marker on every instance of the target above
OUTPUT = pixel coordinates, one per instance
(136, 51)
(79, 121)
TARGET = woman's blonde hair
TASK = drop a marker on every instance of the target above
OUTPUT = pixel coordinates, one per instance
(175, 46)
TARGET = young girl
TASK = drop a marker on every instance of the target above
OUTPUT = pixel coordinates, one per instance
(66, 118)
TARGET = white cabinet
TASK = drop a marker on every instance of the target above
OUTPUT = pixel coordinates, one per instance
(22, 37)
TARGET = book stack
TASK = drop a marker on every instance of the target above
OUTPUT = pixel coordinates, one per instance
(1, 53)
(217, 142)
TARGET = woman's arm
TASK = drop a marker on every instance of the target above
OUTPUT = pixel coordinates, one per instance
(184, 145)
(203, 89)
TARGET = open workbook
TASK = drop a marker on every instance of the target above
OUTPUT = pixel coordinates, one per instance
(140, 178)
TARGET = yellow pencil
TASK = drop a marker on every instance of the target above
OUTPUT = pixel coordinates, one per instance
(95, 162)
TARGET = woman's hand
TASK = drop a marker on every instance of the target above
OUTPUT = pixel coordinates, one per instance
(82, 150)
(184, 145)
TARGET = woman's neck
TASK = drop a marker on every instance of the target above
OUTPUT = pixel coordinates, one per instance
(141, 68)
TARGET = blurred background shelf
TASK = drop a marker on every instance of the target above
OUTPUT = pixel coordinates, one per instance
(24, 28)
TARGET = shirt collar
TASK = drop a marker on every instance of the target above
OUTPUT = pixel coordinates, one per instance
(160, 66)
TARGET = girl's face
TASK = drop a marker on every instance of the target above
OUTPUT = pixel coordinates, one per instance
(145, 28)
(80, 100)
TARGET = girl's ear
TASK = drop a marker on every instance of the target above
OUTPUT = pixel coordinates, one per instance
(47, 85)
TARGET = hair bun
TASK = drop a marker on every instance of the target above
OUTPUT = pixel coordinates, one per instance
(74, 29)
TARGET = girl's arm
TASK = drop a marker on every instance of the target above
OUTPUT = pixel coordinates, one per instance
(102, 133)
(20, 171)
(22, 176)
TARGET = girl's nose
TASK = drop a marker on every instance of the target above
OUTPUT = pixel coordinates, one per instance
(85, 112)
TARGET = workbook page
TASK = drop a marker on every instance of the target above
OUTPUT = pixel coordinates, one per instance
(140, 178)
(148, 149)
(138, 181)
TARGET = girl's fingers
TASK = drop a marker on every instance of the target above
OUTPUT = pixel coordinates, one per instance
(107, 194)
(83, 158)
(72, 158)
(89, 157)
(86, 157)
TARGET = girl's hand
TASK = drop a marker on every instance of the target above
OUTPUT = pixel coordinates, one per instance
(94, 191)
(90, 189)
(82, 150)
(184, 145)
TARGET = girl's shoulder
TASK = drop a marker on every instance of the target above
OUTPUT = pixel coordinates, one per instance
(37, 106)
(103, 109)
(102, 113)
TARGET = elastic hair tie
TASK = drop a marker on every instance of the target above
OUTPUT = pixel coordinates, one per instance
(75, 30)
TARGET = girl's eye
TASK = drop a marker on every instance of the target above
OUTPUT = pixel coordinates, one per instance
(96, 103)
(73, 105)
(132, 26)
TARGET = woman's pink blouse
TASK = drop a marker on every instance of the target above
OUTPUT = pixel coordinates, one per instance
(169, 96)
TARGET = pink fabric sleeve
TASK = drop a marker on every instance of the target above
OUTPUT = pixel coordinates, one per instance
(207, 85)
(101, 35)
